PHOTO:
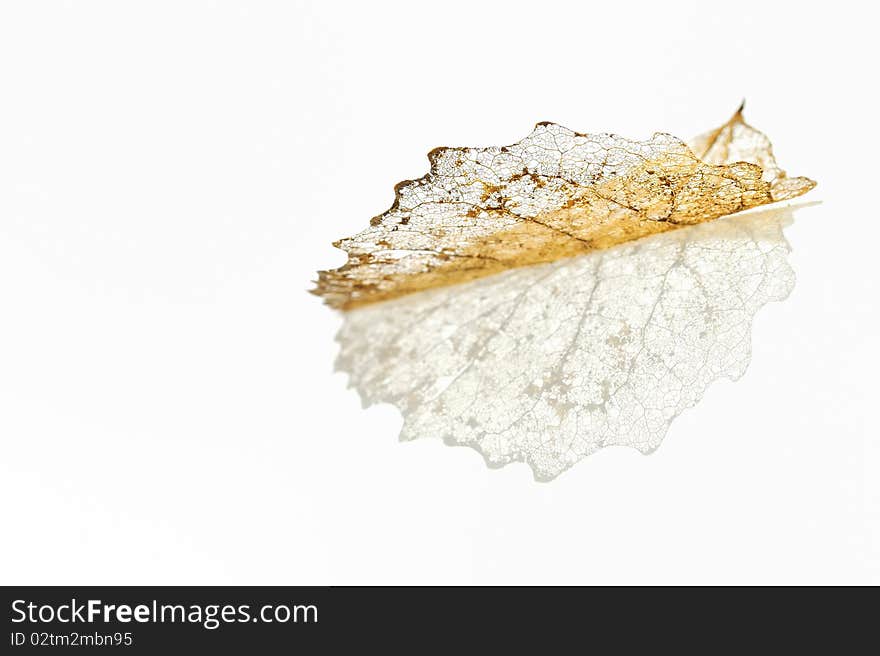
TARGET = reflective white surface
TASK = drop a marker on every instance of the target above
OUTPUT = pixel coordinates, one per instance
(548, 364)
(171, 178)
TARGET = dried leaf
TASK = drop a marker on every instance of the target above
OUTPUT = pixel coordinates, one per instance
(555, 194)
(547, 364)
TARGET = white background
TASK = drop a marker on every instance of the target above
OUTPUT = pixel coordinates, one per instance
(172, 175)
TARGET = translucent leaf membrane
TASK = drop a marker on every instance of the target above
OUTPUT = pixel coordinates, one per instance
(737, 141)
(555, 194)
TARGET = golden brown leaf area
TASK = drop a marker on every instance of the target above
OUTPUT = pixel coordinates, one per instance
(555, 194)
